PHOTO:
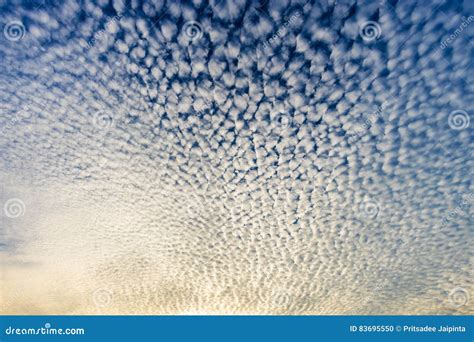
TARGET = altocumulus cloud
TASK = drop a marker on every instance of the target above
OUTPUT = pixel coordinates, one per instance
(235, 157)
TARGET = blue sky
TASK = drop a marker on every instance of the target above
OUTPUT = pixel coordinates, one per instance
(235, 157)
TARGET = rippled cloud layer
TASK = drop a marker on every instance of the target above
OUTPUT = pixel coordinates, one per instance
(236, 157)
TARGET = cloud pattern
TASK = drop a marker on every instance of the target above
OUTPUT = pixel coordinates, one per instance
(236, 157)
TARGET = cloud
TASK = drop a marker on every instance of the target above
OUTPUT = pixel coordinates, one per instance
(184, 163)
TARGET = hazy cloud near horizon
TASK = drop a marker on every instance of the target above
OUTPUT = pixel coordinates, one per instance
(235, 157)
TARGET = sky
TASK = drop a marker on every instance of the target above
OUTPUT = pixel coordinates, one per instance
(236, 157)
